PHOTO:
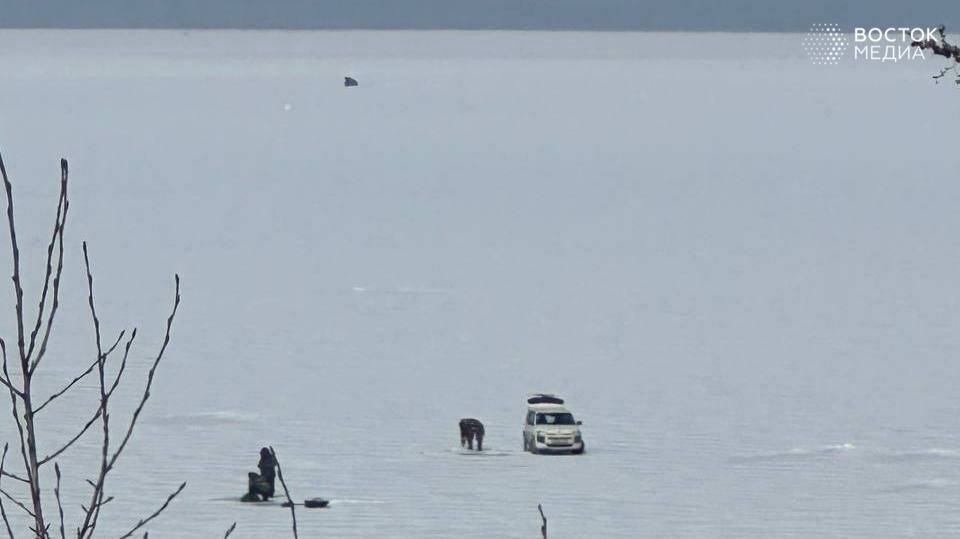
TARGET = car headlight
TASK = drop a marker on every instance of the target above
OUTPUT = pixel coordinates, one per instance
(541, 438)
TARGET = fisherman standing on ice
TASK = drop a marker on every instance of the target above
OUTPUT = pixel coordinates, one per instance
(260, 486)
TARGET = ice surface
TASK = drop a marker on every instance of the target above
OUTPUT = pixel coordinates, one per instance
(738, 268)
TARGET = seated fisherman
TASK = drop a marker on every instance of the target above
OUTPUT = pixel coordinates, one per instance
(260, 486)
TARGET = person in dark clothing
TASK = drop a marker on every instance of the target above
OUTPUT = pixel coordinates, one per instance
(260, 486)
(471, 429)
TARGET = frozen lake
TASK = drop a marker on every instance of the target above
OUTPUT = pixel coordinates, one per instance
(738, 267)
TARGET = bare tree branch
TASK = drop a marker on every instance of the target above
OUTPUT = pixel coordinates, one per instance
(16, 502)
(18, 290)
(123, 363)
(13, 476)
(16, 415)
(6, 375)
(27, 430)
(156, 513)
(66, 388)
(230, 530)
(90, 518)
(28, 443)
(70, 442)
(941, 47)
(32, 350)
(5, 378)
(57, 237)
(543, 529)
(15, 249)
(3, 512)
(151, 374)
(293, 509)
(56, 493)
(5, 383)
(101, 504)
(89, 521)
(78, 378)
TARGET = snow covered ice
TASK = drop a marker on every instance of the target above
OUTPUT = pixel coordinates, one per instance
(738, 267)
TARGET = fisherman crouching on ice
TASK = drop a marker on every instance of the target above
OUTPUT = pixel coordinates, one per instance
(260, 486)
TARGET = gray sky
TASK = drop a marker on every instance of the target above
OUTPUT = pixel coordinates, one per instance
(752, 15)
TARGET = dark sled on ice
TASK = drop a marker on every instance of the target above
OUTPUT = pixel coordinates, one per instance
(313, 503)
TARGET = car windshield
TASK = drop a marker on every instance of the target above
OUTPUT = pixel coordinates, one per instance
(560, 418)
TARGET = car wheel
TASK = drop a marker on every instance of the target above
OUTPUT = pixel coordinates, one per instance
(583, 447)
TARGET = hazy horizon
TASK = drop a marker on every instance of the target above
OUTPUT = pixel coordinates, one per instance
(613, 15)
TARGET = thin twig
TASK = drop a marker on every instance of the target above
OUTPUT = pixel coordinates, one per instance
(57, 237)
(15, 410)
(78, 378)
(156, 513)
(66, 387)
(941, 47)
(123, 363)
(7, 384)
(16, 502)
(15, 249)
(543, 529)
(293, 510)
(3, 512)
(230, 530)
(90, 517)
(150, 375)
(70, 442)
(13, 476)
(92, 513)
(56, 493)
(27, 442)
(14, 392)
(100, 504)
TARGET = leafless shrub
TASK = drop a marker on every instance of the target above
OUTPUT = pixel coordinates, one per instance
(27, 357)
(941, 47)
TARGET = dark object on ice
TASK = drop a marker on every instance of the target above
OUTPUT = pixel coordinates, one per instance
(260, 486)
(469, 429)
(350, 81)
(312, 503)
(544, 398)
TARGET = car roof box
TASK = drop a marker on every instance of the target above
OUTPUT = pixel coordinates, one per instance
(544, 398)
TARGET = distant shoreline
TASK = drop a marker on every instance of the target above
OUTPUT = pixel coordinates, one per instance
(695, 16)
(331, 29)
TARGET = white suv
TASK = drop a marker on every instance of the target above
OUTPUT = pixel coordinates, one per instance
(550, 427)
